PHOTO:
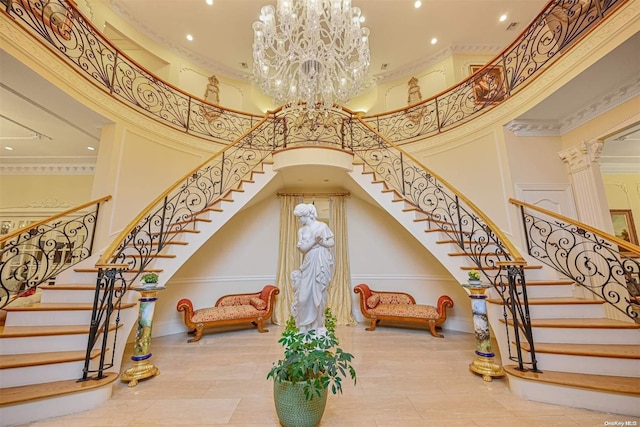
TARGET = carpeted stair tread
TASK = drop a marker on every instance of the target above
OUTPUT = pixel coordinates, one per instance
(619, 351)
(29, 393)
(606, 383)
(36, 359)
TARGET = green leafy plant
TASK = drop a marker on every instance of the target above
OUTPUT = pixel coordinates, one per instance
(313, 358)
(474, 275)
(149, 278)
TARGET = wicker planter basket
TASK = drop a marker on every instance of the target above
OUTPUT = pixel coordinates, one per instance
(292, 407)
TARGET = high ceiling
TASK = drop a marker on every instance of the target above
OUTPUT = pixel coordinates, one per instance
(400, 34)
(400, 37)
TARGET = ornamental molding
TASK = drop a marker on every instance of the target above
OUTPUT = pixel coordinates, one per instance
(606, 103)
(418, 67)
(118, 6)
(580, 157)
(619, 168)
(48, 169)
(80, 88)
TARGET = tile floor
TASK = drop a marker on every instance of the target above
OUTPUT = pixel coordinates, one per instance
(406, 378)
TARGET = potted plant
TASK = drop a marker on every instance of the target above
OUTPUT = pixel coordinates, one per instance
(149, 280)
(312, 364)
(474, 277)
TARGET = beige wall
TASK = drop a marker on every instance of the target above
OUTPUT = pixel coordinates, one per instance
(25, 191)
(243, 257)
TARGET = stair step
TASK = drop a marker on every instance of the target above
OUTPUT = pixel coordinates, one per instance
(53, 313)
(44, 331)
(620, 351)
(212, 209)
(606, 383)
(11, 361)
(95, 270)
(580, 323)
(553, 301)
(582, 330)
(526, 267)
(166, 256)
(182, 230)
(27, 393)
(488, 254)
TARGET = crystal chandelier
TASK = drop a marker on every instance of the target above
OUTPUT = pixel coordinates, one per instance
(310, 54)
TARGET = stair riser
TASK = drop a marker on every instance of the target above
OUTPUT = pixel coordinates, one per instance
(548, 291)
(578, 398)
(48, 318)
(54, 407)
(588, 365)
(552, 311)
(68, 296)
(586, 335)
(41, 374)
(40, 344)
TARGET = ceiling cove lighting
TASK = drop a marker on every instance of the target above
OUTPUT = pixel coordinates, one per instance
(311, 54)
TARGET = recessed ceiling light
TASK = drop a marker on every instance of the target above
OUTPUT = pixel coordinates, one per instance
(209, 2)
(503, 18)
(8, 148)
(91, 148)
(362, 19)
(189, 37)
(417, 4)
(434, 40)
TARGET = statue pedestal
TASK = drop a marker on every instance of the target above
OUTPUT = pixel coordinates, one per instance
(483, 364)
(142, 368)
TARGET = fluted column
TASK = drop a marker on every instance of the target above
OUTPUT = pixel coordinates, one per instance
(591, 201)
(586, 181)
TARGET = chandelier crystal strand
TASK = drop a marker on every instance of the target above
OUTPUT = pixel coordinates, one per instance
(310, 54)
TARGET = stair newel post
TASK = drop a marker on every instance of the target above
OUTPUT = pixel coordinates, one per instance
(105, 285)
(515, 274)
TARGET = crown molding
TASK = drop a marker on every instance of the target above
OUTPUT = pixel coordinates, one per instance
(118, 7)
(619, 168)
(422, 64)
(606, 103)
(48, 169)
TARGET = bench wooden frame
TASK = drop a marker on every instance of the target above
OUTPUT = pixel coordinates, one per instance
(228, 304)
(390, 301)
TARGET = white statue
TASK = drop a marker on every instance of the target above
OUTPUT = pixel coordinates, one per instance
(315, 239)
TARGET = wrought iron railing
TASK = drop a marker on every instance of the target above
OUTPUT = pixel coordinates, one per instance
(37, 253)
(454, 215)
(604, 265)
(174, 211)
(554, 30)
(62, 27)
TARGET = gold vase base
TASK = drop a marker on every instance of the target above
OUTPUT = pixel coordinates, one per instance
(486, 367)
(139, 371)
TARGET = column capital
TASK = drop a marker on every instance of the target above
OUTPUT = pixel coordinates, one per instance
(580, 156)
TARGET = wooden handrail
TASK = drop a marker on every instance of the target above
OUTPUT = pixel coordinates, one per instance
(109, 253)
(629, 247)
(509, 246)
(54, 217)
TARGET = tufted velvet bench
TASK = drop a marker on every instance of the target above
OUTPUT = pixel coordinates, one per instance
(234, 309)
(401, 307)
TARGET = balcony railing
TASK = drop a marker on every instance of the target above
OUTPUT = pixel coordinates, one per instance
(555, 30)
(59, 25)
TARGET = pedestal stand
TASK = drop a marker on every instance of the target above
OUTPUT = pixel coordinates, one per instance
(483, 364)
(142, 367)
